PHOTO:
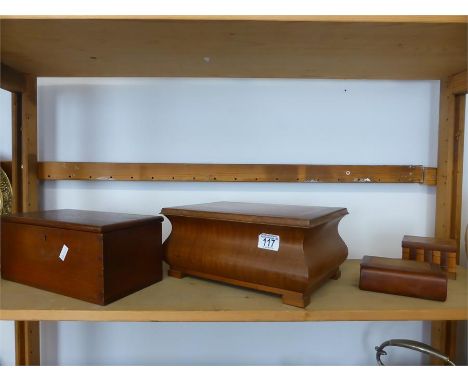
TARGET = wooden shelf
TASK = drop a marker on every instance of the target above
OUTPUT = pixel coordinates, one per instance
(342, 47)
(192, 299)
(389, 47)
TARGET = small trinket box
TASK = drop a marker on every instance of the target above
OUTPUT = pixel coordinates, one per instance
(403, 277)
(442, 252)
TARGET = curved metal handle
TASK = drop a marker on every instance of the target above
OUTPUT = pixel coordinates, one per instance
(413, 345)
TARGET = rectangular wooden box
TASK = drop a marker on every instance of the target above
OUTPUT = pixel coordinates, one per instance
(442, 252)
(287, 250)
(403, 277)
(109, 256)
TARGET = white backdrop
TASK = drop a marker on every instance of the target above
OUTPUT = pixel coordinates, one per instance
(240, 121)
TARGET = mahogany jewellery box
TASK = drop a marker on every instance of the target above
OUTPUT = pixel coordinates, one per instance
(97, 257)
(286, 250)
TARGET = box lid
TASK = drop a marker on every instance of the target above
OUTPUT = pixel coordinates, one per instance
(80, 220)
(430, 243)
(259, 213)
(402, 266)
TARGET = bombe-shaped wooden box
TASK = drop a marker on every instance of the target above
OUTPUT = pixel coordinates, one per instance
(283, 249)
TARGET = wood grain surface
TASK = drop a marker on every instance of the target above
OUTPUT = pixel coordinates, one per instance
(297, 47)
(198, 172)
(220, 241)
(259, 213)
(192, 299)
(81, 220)
(102, 265)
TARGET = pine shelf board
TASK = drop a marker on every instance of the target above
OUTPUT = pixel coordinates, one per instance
(196, 300)
(359, 47)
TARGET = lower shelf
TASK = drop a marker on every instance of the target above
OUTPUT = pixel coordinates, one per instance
(192, 299)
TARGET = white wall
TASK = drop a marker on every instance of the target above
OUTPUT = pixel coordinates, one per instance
(242, 121)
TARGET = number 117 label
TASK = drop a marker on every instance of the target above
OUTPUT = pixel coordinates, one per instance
(267, 241)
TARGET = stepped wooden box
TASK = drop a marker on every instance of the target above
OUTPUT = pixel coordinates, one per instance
(442, 252)
(287, 250)
(97, 257)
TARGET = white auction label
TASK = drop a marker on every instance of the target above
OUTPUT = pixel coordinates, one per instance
(268, 241)
(63, 253)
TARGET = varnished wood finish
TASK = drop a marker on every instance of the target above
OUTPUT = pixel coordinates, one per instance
(132, 259)
(27, 343)
(11, 80)
(107, 258)
(219, 241)
(194, 299)
(81, 220)
(429, 243)
(402, 277)
(301, 173)
(283, 47)
(259, 213)
(443, 252)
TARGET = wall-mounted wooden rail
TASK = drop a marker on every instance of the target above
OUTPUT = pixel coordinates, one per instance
(300, 173)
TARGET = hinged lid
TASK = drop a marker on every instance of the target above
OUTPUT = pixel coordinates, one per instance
(80, 220)
(259, 213)
(402, 266)
(430, 243)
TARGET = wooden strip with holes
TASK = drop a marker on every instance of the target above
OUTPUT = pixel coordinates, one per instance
(29, 146)
(27, 338)
(232, 172)
(445, 161)
(16, 133)
(457, 175)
